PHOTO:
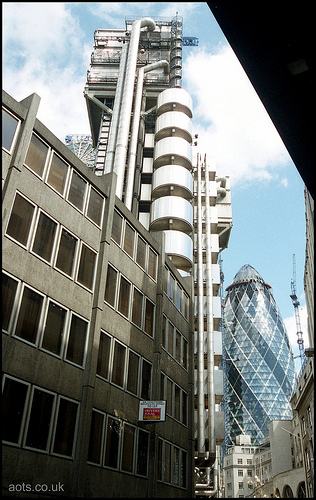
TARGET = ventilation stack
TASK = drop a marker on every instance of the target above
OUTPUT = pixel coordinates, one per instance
(172, 188)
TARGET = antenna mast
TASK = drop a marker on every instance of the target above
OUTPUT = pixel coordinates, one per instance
(296, 304)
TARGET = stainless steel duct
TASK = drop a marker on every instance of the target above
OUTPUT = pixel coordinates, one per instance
(210, 323)
(200, 322)
(127, 100)
(135, 128)
(110, 153)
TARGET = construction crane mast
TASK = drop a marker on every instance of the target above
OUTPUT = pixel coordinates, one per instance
(296, 304)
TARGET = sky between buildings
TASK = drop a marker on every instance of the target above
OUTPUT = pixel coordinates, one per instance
(47, 49)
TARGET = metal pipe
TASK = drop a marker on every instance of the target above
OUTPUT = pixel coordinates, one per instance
(135, 128)
(110, 152)
(200, 324)
(210, 324)
(127, 100)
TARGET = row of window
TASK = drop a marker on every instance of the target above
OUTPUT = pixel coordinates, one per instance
(176, 294)
(174, 342)
(125, 298)
(119, 445)
(38, 419)
(10, 127)
(134, 245)
(49, 240)
(42, 322)
(55, 171)
(123, 367)
(65, 180)
(176, 397)
(172, 464)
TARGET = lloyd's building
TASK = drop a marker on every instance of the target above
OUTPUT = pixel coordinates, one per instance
(129, 400)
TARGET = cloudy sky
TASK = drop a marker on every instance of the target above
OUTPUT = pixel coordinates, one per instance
(47, 48)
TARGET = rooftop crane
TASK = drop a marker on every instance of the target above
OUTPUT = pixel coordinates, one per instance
(296, 304)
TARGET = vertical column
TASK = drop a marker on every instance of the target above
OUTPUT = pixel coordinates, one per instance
(172, 188)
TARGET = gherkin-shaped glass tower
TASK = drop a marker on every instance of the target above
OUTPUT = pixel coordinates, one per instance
(259, 372)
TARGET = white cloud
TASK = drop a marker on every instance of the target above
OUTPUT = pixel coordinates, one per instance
(231, 121)
(43, 53)
(284, 182)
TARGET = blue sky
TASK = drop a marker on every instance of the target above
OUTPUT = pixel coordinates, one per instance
(47, 48)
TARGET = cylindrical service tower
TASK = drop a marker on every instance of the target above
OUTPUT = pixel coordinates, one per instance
(172, 185)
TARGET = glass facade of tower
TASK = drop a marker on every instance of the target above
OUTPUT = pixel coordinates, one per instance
(259, 373)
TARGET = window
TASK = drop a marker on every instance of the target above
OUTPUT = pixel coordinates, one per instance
(133, 369)
(66, 252)
(36, 155)
(170, 337)
(118, 364)
(117, 227)
(164, 332)
(142, 452)
(44, 237)
(110, 287)
(9, 129)
(183, 469)
(176, 466)
(77, 340)
(128, 448)
(178, 346)
(77, 190)
(184, 408)
(303, 427)
(129, 240)
(124, 297)
(95, 207)
(65, 427)
(177, 403)
(239, 460)
(141, 252)
(104, 355)
(240, 473)
(137, 312)
(146, 380)
(169, 397)
(40, 419)
(241, 485)
(184, 353)
(160, 459)
(149, 317)
(29, 315)
(178, 296)
(152, 264)
(86, 267)
(249, 461)
(20, 219)
(171, 286)
(9, 288)
(112, 443)
(309, 417)
(96, 433)
(57, 176)
(54, 328)
(13, 404)
(249, 472)
(167, 467)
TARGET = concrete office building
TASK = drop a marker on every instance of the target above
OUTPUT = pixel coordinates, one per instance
(87, 295)
(267, 470)
(98, 279)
